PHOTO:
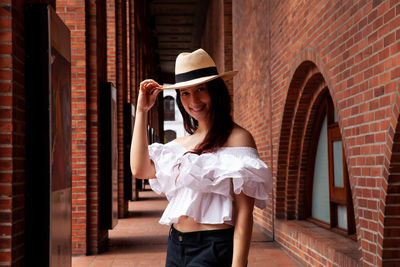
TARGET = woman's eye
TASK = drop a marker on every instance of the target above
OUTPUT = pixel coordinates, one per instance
(184, 93)
(201, 89)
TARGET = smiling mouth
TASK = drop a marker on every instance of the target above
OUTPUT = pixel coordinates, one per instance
(198, 109)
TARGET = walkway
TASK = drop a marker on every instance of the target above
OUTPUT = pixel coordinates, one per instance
(140, 241)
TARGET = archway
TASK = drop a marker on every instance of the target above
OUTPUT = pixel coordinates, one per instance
(305, 83)
(391, 232)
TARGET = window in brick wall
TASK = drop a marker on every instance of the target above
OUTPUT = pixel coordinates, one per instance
(169, 108)
(329, 202)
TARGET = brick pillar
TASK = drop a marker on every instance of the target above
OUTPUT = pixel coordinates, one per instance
(96, 72)
(121, 41)
(73, 14)
(12, 136)
(133, 86)
(127, 50)
(134, 83)
(111, 43)
(87, 22)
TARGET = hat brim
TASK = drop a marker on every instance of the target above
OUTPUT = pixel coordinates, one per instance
(225, 76)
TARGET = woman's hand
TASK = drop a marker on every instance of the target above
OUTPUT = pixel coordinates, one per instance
(148, 92)
(141, 164)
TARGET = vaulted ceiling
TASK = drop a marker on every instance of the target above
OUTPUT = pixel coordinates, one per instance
(178, 26)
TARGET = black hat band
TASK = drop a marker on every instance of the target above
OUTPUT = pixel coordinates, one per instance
(194, 74)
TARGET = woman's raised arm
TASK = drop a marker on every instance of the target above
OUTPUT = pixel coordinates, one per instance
(141, 164)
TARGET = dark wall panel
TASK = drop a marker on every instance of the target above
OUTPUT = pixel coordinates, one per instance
(48, 138)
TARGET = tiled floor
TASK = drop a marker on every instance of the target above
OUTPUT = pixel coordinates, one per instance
(140, 241)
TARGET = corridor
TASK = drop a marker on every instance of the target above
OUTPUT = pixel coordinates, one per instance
(141, 241)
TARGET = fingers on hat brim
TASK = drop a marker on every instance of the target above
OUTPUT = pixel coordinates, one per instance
(225, 76)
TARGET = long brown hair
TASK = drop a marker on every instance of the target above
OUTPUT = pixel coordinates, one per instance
(220, 116)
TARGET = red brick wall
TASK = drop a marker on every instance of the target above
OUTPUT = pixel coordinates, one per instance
(251, 95)
(228, 61)
(12, 132)
(17, 131)
(132, 54)
(127, 50)
(111, 42)
(73, 15)
(12, 125)
(355, 46)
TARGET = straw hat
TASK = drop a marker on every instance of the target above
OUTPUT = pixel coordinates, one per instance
(195, 68)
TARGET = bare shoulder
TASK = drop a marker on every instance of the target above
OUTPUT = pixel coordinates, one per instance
(240, 137)
(181, 140)
(185, 141)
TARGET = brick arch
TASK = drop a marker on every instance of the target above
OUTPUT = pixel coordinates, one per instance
(313, 84)
(299, 79)
(308, 65)
(320, 93)
(304, 66)
(307, 89)
(390, 207)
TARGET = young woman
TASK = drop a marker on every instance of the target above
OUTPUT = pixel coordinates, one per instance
(212, 178)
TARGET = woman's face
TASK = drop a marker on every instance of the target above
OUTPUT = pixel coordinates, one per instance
(197, 101)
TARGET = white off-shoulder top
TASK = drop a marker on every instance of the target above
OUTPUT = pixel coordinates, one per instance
(202, 186)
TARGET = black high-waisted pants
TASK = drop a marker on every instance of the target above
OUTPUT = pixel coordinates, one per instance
(213, 248)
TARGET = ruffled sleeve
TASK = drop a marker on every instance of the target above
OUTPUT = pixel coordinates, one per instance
(210, 172)
(164, 158)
